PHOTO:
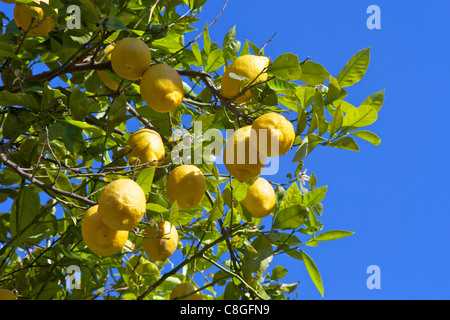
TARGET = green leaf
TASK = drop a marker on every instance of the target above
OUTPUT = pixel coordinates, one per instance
(308, 144)
(313, 271)
(171, 42)
(314, 196)
(278, 272)
(257, 258)
(334, 91)
(206, 40)
(347, 143)
(355, 68)
(217, 210)
(301, 121)
(306, 95)
(114, 23)
(87, 127)
(8, 99)
(368, 136)
(286, 67)
(359, 117)
(215, 61)
(13, 126)
(282, 86)
(6, 50)
(79, 106)
(145, 179)
(375, 100)
(333, 235)
(197, 54)
(230, 46)
(336, 124)
(117, 113)
(290, 217)
(313, 73)
(61, 181)
(24, 209)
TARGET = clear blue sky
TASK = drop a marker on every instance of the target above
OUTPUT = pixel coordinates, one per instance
(392, 196)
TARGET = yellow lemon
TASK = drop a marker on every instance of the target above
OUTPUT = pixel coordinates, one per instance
(248, 66)
(241, 159)
(260, 198)
(107, 79)
(130, 58)
(147, 146)
(6, 294)
(186, 184)
(162, 88)
(121, 205)
(98, 237)
(272, 129)
(160, 240)
(31, 19)
(183, 290)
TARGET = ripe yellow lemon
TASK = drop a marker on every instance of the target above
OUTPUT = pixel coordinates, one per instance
(272, 129)
(6, 294)
(106, 79)
(130, 58)
(147, 146)
(186, 184)
(98, 237)
(34, 23)
(241, 159)
(260, 198)
(182, 290)
(248, 66)
(162, 88)
(160, 240)
(121, 205)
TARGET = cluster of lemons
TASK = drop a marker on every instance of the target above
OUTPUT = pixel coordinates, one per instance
(161, 86)
(122, 203)
(255, 139)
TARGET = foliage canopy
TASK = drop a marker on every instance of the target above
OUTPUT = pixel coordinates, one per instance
(64, 137)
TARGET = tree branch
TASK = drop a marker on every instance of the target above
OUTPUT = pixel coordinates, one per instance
(4, 159)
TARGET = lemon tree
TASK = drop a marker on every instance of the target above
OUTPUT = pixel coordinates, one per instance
(91, 117)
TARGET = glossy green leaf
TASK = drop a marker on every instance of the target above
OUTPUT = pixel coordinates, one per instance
(8, 99)
(347, 143)
(25, 208)
(306, 95)
(230, 46)
(355, 68)
(214, 61)
(145, 179)
(375, 100)
(313, 271)
(290, 217)
(359, 117)
(368, 136)
(333, 235)
(286, 67)
(308, 144)
(114, 23)
(334, 91)
(314, 196)
(337, 121)
(197, 54)
(313, 73)
(257, 258)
